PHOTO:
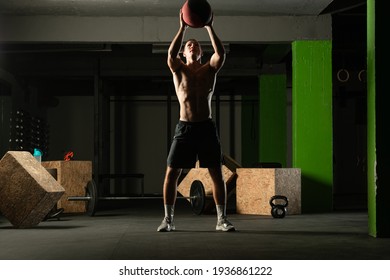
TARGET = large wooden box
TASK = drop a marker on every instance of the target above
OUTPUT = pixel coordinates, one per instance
(27, 191)
(256, 186)
(73, 176)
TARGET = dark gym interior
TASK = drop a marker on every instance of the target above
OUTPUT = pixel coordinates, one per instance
(95, 99)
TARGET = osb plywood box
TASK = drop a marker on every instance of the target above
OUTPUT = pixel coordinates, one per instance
(256, 186)
(73, 176)
(203, 175)
(27, 191)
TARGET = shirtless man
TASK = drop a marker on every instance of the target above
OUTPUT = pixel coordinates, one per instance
(196, 137)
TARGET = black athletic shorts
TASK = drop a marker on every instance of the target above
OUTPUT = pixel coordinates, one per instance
(195, 141)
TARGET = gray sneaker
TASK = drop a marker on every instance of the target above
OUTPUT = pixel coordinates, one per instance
(166, 225)
(224, 225)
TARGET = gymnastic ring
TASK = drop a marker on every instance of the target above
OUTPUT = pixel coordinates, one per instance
(360, 75)
(339, 75)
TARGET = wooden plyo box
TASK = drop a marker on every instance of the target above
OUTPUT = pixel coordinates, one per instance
(27, 191)
(202, 174)
(256, 186)
(73, 176)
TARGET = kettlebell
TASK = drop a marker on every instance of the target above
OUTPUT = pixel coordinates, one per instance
(278, 210)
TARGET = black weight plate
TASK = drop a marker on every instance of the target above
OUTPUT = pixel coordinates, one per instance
(92, 203)
(198, 197)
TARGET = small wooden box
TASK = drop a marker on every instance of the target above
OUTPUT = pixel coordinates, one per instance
(256, 186)
(73, 176)
(203, 175)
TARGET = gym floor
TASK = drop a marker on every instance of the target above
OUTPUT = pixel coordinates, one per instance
(128, 232)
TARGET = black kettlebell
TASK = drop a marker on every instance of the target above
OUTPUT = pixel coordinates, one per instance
(278, 210)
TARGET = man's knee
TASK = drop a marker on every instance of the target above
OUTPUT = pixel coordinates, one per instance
(216, 174)
(173, 174)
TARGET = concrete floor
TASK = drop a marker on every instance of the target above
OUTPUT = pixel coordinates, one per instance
(129, 232)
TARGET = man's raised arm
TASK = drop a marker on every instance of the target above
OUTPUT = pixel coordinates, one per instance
(174, 61)
(218, 58)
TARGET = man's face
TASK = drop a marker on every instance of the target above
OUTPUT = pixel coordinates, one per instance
(192, 49)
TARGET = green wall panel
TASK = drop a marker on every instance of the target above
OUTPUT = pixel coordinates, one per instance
(371, 156)
(378, 138)
(273, 138)
(312, 122)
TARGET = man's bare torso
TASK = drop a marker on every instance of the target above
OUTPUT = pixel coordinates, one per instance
(194, 85)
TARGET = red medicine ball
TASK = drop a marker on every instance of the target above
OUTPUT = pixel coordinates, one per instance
(196, 13)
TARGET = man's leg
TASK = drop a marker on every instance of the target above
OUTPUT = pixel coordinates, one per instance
(220, 199)
(170, 185)
(169, 194)
(219, 187)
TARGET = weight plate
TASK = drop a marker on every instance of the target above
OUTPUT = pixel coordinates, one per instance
(92, 203)
(198, 197)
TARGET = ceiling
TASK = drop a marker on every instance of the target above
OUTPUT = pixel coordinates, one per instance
(127, 8)
(22, 59)
(346, 11)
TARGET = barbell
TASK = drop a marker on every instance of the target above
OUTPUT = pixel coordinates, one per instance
(197, 198)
